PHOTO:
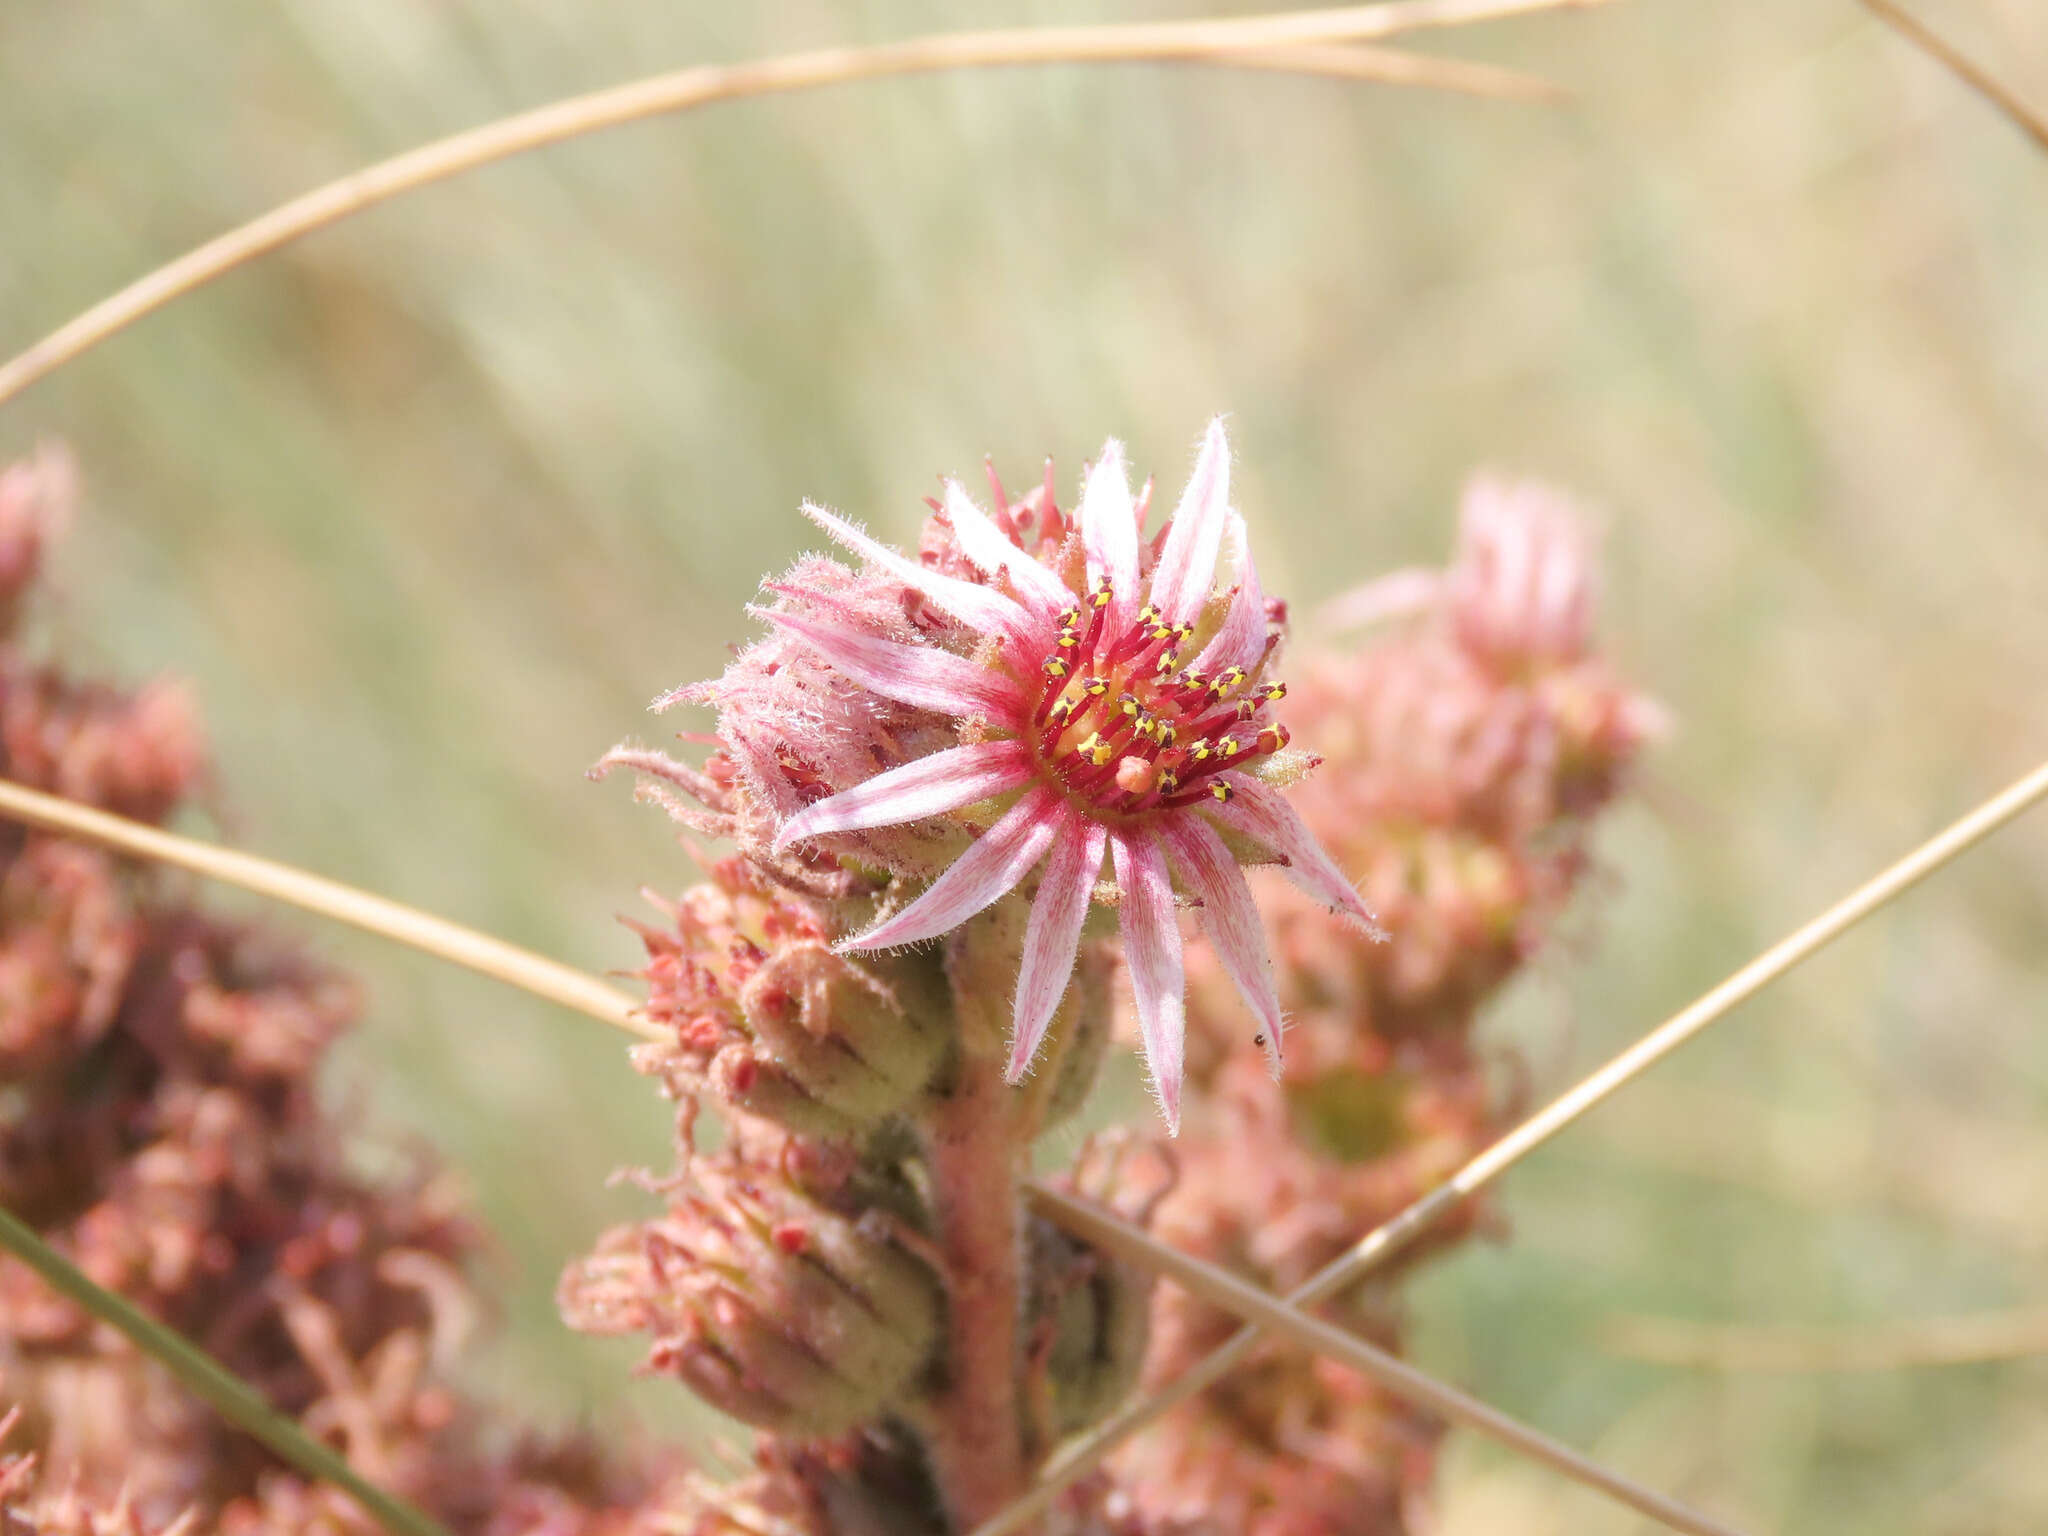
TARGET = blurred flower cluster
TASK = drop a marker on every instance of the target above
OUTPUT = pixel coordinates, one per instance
(159, 1125)
(1469, 744)
(959, 788)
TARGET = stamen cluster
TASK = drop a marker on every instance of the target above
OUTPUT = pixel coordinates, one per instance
(1123, 725)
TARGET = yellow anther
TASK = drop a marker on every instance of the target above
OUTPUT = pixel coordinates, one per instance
(1095, 687)
(1056, 666)
(1169, 781)
(1273, 693)
(1168, 660)
(1070, 619)
(1226, 681)
(1102, 594)
(1220, 790)
(1095, 749)
(1229, 746)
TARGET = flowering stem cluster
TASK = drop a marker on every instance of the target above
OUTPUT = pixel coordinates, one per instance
(940, 777)
(1043, 714)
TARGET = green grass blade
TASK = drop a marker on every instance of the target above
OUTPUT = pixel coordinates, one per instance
(229, 1396)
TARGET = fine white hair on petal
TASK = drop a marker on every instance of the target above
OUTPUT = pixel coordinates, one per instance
(1152, 952)
(976, 606)
(925, 786)
(1109, 530)
(1232, 920)
(921, 676)
(989, 870)
(1262, 813)
(984, 543)
(1187, 562)
(1241, 642)
(1053, 937)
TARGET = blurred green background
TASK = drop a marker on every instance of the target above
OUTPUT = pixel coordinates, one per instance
(430, 505)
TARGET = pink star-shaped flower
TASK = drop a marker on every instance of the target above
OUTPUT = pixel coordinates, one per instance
(1089, 701)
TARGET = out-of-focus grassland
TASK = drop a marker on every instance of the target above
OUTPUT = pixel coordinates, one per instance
(430, 505)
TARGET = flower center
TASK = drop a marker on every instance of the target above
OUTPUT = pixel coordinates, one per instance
(1124, 727)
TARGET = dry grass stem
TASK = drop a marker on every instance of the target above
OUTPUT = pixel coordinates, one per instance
(1296, 40)
(328, 898)
(1223, 1289)
(2013, 1335)
(2025, 118)
(1384, 1241)
(213, 1383)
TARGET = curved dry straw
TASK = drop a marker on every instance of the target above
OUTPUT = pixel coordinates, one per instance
(588, 995)
(1893, 1346)
(1322, 42)
(2029, 122)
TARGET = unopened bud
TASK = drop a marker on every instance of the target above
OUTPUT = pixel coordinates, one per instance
(1091, 1318)
(839, 1032)
(772, 1308)
(768, 1020)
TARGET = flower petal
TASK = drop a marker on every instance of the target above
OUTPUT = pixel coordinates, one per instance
(926, 786)
(1241, 642)
(991, 868)
(985, 544)
(1187, 564)
(1262, 813)
(978, 607)
(1152, 951)
(1109, 530)
(919, 675)
(1231, 918)
(1053, 938)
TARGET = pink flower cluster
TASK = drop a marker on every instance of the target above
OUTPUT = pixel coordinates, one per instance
(161, 1128)
(961, 788)
(1469, 746)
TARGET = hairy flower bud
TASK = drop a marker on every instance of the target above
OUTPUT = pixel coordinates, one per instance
(1090, 1319)
(840, 1033)
(770, 1306)
(770, 1021)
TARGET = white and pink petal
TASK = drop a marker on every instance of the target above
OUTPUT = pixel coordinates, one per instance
(1152, 953)
(1043, 593)
(1052, 938)
(1187, 561)
(921, 676)
(1231, 918)
(924, 787)
(993, 866)
(978, 607)
(1241, 641)
(1263, 814)
(1109, 533)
